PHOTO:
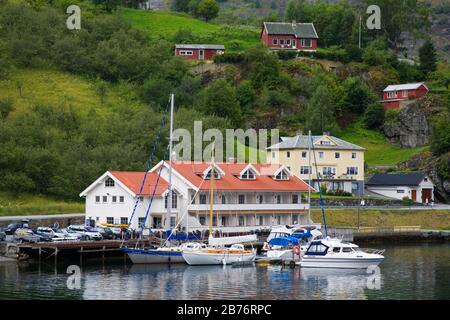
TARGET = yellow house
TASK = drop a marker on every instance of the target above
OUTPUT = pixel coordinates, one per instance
(337, 164)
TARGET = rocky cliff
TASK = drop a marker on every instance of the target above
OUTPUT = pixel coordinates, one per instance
(409, 126)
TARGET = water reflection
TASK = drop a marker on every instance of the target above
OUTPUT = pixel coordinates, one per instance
(408, 272)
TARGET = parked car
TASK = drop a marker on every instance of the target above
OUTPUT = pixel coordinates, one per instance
(55, 235)
(106, 232)
(11, 228)
(27, 235)
(85, 232)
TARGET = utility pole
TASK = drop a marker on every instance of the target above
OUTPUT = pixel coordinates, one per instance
(309, 178)
(360, 24)
(169, 196)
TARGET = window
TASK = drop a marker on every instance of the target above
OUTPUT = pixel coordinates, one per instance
(224, 221)
(261, 220)
(202, 220)
(281, 175)
(275, 41)
(281, 41)
(105, 198)
(186, 53)
(293, 42)
(122, 199)
(141, 199)
(241, 199)
(288, 42)
(141, 222)
(306, 43)
(248, 175)
(123, 220)
(172, 222)
(260, 198)
(109, 182)
(295, 198)
(353, 155)
(337, 155)
(109, 220)
(97, 199)
(278, 199)
(346, 249)
(224, 199)
(352, 170)
(241, 221)
(288, 154)
(391, 94)
(273, 154)
(325, 142)
(215, 174)
(203, 199)
(400, 191)
(304, 154)
(214, 221)
(405, 93)
(289, 168)
(295, 219)
(174, 200)
(328, 171)
(305, 170)
(114, 198)
(320, 155)
(337, 250)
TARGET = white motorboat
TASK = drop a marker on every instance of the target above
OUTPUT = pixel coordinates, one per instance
(211, 256)
(334, 253)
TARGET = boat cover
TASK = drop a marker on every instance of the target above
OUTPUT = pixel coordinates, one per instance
(284, 241)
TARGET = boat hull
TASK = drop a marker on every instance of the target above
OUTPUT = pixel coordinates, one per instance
(151, 256)
(339, 263)
(205, 258)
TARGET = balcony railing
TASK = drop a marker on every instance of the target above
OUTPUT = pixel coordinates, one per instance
(250, 206)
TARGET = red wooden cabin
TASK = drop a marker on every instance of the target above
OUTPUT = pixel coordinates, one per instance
(393, 95)
(289, 36)
(198, 51)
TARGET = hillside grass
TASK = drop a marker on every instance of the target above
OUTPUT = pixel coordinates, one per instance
(26, 204)
(426, 219)
(165, 24)
(52, 87)
(379, 151)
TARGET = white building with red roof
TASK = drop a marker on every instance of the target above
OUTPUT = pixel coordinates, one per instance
(245, 195)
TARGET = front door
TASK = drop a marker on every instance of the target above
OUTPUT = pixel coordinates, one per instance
(201, 54)
(426, 195)
(414, 195)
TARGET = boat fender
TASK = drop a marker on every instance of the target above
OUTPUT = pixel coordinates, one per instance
(297, 250)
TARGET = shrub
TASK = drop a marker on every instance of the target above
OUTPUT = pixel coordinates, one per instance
(407, 201)
(339, 193)
(6, 106)
(229, 58)
(286, 55)
(374, 116)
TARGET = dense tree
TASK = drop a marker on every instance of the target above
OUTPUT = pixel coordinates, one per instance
(219, 99)
(320, 112)
(428, 58)
(440, 138)
(208, 9)
(180, 5)
(374, 116)
(356, 96)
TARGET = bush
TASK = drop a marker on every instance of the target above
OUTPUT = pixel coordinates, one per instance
(6, 106)
(286, 55)
(339, 193)
(407, 201)
(229, 58)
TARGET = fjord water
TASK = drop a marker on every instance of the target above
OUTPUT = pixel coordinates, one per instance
(418, 271)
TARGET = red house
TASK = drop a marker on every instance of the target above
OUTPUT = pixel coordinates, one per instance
(289, 36)
(198, 51)
(394, 94)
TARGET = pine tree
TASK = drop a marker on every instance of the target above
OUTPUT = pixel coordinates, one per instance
(428, 58)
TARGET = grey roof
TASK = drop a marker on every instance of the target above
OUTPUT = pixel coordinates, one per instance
(301, 142)
(396, 179)
(300, 30)
(200, 46)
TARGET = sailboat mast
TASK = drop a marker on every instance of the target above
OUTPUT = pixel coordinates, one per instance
(169, 197)
(211, 193)
(309, 171)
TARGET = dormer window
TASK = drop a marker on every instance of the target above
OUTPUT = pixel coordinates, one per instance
(216, 175)
(248, 175)
(109, 183)
(325, 142)
(282, 175)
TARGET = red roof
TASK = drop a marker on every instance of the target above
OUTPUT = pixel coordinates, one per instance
(193, 172)
(133, 181)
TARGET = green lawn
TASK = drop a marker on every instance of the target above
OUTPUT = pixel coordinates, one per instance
(36, 204)
(426, 219)
(379, 151)
(165, 24)
(44, 86)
